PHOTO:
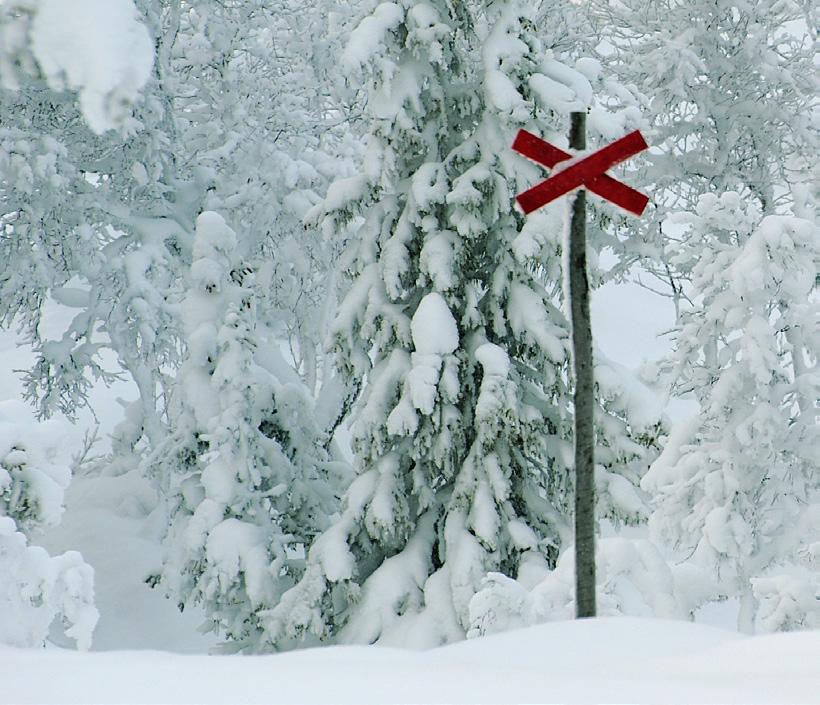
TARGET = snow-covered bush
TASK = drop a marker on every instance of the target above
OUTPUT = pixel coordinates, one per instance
(35, 588)
(790, 599)
(633, 579)
(32, 487)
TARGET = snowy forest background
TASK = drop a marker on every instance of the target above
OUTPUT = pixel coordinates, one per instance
(279, 346)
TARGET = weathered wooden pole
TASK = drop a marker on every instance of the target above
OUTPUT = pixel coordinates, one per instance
(589, 171)
(584, 392)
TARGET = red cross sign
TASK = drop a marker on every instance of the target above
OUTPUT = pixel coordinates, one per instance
(588, 172)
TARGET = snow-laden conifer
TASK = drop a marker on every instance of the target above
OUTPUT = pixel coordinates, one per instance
(452, 326)
(244, 474)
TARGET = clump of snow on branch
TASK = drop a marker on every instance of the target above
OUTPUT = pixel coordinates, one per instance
(98, 48)
(370, 34)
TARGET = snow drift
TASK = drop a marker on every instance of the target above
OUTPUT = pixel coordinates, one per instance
(601, 660)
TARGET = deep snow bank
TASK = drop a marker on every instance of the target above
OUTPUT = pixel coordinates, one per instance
(604, 660)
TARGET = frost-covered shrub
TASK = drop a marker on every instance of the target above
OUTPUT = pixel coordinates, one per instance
(633, 579)
(788, 600)
(736, 487)
(788, 592)
(31, 487)
(36, 589)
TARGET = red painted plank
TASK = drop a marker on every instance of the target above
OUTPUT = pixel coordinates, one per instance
(538, 150)
(588, 172)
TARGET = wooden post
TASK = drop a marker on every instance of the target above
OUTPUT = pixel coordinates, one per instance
(584, 393)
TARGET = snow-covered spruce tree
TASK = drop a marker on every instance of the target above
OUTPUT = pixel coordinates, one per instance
(243, 473)
(453, 328)
(252, 117)
(728, 88)
(35, 588)
(736, 486)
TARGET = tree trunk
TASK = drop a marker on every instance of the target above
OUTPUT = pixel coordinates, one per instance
(584, 394)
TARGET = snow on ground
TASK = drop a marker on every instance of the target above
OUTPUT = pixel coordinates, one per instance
(107, 520)
(603, 660)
